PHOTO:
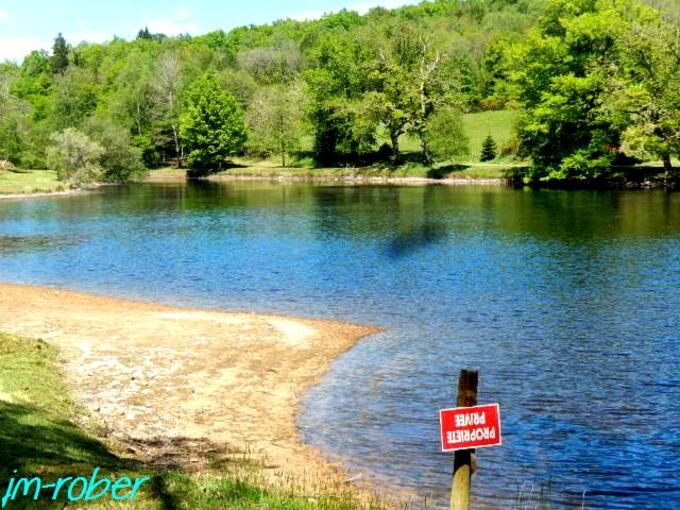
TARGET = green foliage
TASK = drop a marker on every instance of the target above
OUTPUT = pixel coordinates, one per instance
(269, 66)
(75, 97)
(59, 59)
(595, 80)
(211, 126)
(446, 136)
(277, 120)
(489, 149)
(75, 157)
(643, 97)
(343, 129)
(559, 73)
(120, 160)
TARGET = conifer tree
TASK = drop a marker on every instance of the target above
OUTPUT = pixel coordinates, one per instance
(489, 149)
(59, 59)
(144, 33)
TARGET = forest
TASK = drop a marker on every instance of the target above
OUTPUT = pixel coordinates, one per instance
(595, 84)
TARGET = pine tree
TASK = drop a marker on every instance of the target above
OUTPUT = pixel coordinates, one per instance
(489, 149)
(59, 59)
(144, 33)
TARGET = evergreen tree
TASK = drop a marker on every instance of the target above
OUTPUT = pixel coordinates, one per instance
(144, 33)
(59, 59)
(489, 149)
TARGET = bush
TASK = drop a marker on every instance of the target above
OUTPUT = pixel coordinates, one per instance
(121, 161)
(75, 157)
(6, 165)
(446, 136)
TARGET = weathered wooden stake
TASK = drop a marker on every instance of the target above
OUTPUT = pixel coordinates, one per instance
(464, 461)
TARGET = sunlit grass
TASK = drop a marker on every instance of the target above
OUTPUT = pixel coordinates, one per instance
(43, 433)
(30, 181)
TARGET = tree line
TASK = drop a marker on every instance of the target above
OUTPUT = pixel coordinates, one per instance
(596, 82)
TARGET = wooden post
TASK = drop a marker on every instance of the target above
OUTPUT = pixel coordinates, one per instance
(463, 461)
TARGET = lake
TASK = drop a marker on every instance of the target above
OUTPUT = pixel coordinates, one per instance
(567, 302)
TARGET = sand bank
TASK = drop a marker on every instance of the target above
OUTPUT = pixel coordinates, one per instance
(155, 374)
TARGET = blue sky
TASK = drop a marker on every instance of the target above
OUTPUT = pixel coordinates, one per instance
(26, 25)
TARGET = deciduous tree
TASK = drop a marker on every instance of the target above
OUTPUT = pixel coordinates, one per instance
(446, 135)
(211, 126)
(276, 120)
(75, 157)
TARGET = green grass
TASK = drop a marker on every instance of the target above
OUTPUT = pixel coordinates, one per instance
(29, 181)
(477, 126)
(498, 124)
(43, 433)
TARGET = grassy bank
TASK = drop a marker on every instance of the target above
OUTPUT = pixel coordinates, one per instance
(477, 126)
(43, 433)
(29, 181)
(265, 169)
(498, 124)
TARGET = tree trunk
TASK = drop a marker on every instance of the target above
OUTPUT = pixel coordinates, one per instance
(427, 159)
(668, 167)
(394, 139)
(178, 152)
(137, 119)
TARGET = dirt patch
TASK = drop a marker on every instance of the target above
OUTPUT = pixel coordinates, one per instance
(158, 375)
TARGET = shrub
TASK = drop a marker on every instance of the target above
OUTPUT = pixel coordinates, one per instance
(446, 136)
(75, 157)
(121, 161)
(6, 165)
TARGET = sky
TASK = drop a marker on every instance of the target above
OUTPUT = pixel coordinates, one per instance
(26, 25)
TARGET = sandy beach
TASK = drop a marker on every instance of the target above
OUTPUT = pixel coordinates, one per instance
(159, 375)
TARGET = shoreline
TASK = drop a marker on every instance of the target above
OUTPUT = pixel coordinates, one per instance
(55, 194)
(358, 180)
(154, 373)
(334, 176)
(40, 194)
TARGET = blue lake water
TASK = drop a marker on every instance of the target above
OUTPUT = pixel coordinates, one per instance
(567, 302)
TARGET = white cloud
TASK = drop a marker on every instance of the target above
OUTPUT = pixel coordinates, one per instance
(307, 15)
(172, 26)
(4, 15)
(86, 35)
(364, 7)
(360, 7)
(181, 13)
(179, 22)
(16, 48)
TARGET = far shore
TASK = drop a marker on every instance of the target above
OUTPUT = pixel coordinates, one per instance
(488, 176)
(41, 194)
(151, 372)
(359, 179)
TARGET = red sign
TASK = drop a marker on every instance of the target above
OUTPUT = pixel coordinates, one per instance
(470, 427)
